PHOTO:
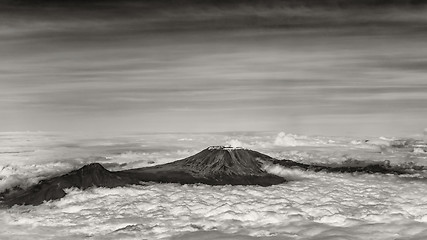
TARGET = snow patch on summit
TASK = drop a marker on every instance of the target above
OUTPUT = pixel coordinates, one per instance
(225, 148)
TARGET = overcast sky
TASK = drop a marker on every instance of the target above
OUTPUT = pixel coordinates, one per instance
(201, 69)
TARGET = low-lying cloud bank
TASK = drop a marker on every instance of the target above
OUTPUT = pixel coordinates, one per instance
(319, 207)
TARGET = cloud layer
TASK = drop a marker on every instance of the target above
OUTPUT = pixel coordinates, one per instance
(318, 207)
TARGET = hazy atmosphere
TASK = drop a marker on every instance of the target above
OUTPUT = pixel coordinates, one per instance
(308, 67)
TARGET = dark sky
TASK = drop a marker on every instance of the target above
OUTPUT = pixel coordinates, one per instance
(336, 68)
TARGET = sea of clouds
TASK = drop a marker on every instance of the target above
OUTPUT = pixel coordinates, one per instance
(310, 206)
(323, 206)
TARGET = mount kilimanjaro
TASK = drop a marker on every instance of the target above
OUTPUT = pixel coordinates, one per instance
(217, 165)
(214, 166)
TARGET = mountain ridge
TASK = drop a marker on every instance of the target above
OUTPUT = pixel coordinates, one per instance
(216, 165)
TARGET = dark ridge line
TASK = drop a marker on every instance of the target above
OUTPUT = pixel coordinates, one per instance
(382, 168)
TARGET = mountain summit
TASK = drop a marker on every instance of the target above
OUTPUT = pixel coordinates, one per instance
(221, 160)
(216, 165)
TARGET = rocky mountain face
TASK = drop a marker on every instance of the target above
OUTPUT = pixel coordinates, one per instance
(225, 161)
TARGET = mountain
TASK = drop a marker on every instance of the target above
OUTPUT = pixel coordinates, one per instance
(217, 165)
(89, 175)
(213, 166)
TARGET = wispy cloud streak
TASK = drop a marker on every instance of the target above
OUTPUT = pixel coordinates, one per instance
(213, 69)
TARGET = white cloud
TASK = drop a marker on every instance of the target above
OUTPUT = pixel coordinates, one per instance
(314, 206)
(235, 143)
(284, 139)
(292, 140)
